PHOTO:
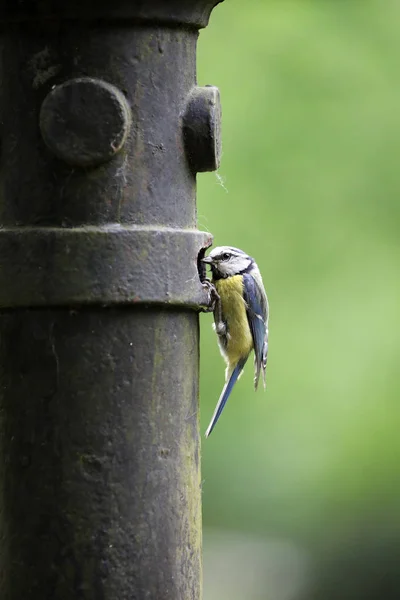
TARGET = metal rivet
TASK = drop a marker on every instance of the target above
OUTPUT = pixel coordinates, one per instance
(202, 129)
(85, 121)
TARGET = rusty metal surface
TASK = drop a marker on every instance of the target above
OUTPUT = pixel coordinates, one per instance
(99, 294)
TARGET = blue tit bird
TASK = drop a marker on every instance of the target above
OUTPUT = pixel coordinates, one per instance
(240, 317)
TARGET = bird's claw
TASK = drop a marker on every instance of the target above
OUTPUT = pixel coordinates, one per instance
(213, 296)
(221, 329)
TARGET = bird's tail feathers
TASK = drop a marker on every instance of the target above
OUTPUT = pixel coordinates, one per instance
(265, 358)
(257, 366)
(237, 371)
(264, 378)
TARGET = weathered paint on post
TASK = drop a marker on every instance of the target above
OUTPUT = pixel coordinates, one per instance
(102, 132)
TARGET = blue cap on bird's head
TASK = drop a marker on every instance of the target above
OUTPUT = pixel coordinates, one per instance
(223, 253)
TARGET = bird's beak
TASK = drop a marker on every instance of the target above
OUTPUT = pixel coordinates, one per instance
(207, 260)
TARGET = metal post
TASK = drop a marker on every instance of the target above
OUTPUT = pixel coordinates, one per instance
(102, 133)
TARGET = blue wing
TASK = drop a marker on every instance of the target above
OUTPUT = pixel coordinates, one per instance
(257, 315)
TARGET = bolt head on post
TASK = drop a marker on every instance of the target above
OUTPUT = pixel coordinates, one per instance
(85, 121)
(202, 129)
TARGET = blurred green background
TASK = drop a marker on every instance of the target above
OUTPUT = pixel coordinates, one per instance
(301, 489)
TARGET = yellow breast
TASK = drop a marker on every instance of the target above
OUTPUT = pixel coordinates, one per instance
(233, 306)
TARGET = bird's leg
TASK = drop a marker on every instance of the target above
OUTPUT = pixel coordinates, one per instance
(213, 296)
(219, 324)
(220, 327)
(215, 306)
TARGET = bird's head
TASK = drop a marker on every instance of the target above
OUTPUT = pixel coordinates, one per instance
(226, 261)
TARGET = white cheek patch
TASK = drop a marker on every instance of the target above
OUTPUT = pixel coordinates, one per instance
(233, 266)
(240, 264)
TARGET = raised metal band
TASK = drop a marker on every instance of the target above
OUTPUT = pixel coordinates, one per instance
(101, 265)
(195, 12)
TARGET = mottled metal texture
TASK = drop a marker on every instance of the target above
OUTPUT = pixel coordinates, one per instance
(99, 454)
(68, 127)
(104, 265)
(99, 298)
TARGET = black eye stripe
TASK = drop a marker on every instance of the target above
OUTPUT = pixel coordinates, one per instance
(224, 256)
